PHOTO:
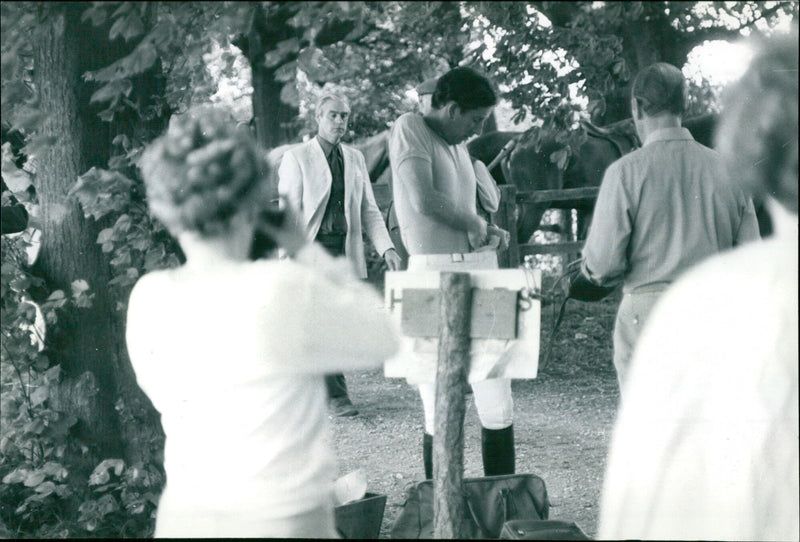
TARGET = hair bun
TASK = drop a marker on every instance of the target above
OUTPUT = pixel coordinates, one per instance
(202, 171)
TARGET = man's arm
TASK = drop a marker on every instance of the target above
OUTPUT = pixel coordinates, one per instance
(604, 254)
(290, 184)
(372, 220)
(488, 192)
(371, 217)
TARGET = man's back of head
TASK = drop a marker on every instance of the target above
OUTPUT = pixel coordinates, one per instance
(660, 88)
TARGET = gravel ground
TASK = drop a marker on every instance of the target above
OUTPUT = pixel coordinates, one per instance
(562, 421)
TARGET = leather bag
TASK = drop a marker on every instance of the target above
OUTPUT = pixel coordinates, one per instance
(533, 529)
(490, 502)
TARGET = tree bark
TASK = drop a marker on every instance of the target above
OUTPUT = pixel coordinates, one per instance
(69, 249)
(269, 111)
(449, 511)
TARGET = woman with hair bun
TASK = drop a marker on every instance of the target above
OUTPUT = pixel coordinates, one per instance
(232, 352)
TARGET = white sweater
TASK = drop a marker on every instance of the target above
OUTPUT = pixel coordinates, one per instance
(706, 442)
(233, 359)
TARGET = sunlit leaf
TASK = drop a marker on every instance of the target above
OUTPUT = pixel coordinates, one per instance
(98, 478)
(105, 235)
(35, 426)
(289, 94)
(34, 478)
(560, 158)
(286, 72)
(123, 8)
(96, 13)
(38, 145)
(45, 488)
(52, 374)
(55, 470)
(16, 476)
(122, 140)
(107, 505)
(112, 91)
(56, 295)
(129, 26)
(63, 490)
(100, 475)
(101, 191)
(273, 58)
(79, 287)
(39, 396)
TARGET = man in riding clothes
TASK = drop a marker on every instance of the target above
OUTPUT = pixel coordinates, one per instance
(661, 209)
(488, 192)
(328, 184)
(434, 192)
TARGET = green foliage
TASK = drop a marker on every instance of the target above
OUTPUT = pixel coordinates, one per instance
(407, 43)
(52, 485)
(554, 57)
(45, 490)
(47, 485)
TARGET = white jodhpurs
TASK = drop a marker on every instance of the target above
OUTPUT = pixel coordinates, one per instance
(493, 402)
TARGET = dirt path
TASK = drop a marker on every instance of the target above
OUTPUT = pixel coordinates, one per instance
(562, 422)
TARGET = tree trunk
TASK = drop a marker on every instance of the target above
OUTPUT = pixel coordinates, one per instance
(86, 341)
(270, 113)
(645, 41)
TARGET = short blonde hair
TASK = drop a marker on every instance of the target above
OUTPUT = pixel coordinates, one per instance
(331, 97)
(202, 172)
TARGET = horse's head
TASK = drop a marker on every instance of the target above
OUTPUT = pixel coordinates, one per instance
(530, 165)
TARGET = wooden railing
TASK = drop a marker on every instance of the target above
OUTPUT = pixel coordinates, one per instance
(506, 218)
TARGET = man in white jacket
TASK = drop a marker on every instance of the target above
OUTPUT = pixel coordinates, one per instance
(328, 183)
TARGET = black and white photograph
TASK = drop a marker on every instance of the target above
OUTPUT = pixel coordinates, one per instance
(400, 270)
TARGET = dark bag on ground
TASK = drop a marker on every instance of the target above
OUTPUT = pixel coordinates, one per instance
(532, 529)
(490, 502)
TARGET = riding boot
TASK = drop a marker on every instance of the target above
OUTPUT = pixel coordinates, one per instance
(427, 455)
(497, 446)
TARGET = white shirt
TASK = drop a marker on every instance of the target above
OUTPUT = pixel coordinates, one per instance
(233, 358)
(453, 177)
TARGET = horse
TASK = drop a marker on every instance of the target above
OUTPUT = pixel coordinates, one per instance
(529, 167)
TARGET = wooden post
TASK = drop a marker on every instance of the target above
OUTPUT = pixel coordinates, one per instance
(506, 218)
(449, 512)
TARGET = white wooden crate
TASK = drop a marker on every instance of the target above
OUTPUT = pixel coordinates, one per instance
(490, 358)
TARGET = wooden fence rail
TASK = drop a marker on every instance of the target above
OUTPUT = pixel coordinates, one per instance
(506, 218)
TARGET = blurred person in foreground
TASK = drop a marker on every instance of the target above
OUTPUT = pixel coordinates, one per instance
(328, 183)
(661, 209)
(232, 352)
(435, 192)
(706, 442)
